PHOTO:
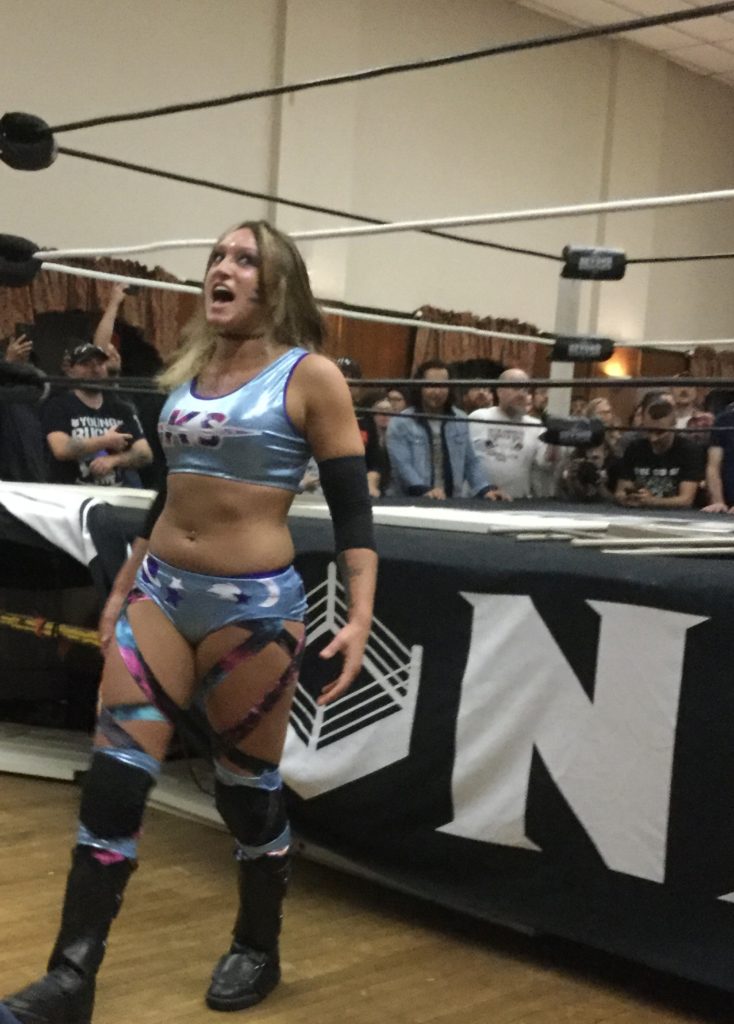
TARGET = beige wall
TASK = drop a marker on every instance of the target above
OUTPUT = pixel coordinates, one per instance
(600, 119)
(83, 58)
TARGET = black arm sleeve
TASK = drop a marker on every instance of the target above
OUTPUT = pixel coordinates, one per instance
(344, 483)
(154, 511)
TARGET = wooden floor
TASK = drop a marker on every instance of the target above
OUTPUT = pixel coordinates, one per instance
(352, 952)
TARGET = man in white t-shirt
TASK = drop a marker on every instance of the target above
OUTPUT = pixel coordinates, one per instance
(507, 440)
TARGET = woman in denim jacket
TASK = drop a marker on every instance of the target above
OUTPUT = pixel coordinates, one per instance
(434, 458)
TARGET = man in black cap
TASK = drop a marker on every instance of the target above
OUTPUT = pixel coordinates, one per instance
(661, 469)
(93, 436)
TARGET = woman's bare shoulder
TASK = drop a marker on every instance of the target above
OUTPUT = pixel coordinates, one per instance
(316, 370)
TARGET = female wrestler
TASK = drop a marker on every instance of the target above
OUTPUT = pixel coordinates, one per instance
(209, 612)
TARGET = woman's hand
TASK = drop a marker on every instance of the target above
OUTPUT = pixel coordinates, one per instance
(350, 642)
(108, 618)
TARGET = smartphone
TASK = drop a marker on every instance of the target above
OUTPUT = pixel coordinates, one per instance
(132, 289)
(27, 329)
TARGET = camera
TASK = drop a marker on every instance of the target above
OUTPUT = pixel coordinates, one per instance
(588, 473)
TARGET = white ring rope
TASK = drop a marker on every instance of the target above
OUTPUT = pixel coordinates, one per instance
(124, 250)
(349, 314)
(516, 216)
(479, 332)
(353, 231)
(383, 318)
(101, 275)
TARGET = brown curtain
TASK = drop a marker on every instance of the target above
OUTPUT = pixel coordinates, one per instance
(708, 362)
(155, 312)
(455, 346)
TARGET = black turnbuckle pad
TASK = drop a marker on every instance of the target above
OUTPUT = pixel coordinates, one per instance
(18, 265)
(26, 143)
(573, 431)
(581, 348)
(593, 263)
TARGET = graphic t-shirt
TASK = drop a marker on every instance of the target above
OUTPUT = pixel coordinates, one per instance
(508, 448)
(661, 474)
(69, 414)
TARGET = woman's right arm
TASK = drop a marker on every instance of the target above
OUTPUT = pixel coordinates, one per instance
(120, 589)
(126, 576)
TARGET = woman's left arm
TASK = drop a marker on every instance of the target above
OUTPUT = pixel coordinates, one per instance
(331, 429)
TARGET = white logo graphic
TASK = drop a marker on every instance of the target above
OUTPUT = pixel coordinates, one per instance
(611, 757)
(367, 728)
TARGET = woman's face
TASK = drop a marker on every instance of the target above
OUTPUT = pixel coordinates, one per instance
(603, 411)
(397, 401)
(231, 299)
(382, 408)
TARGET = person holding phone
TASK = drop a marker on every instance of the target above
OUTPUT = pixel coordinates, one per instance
(93, 436)
(22, 446)
(661, 469)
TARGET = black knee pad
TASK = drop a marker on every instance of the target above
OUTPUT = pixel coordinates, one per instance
(254, 816)
(113, 797)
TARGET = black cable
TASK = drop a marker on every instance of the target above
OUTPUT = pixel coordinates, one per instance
(311, 207)
(143, 385)
(651, 383)
(683, 259)
(148, 384)
(538, 425)
(535, 43)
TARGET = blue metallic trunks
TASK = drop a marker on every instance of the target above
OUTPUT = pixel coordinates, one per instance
(198, 604)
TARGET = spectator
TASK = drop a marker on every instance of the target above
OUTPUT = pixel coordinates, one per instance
(578, 404)
(507, 440)
(22, 450)
(584, 477)
(431, 457)
(398, 401)
(700, 425)
(93, 436)
(684, 398)
(382, 410)
(601, 409)
(351, 369)
(130, 354)
(720, 464)
(539, 403)
(105, 329)
(633, 433)
(476, 397)
(662, 469)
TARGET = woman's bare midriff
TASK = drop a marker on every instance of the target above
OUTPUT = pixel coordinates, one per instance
(223, 527)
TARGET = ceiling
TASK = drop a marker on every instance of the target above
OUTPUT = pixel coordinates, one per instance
(705, 45)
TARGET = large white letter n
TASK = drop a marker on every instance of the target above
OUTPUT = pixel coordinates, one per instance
(611, 758)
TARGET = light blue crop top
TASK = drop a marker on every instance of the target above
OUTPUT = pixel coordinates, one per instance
(245, 435)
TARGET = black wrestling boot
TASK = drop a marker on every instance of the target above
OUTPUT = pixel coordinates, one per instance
(65, 995)
(251, 968)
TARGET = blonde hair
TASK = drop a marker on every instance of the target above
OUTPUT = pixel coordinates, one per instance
(593, 405)
(289, 309)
